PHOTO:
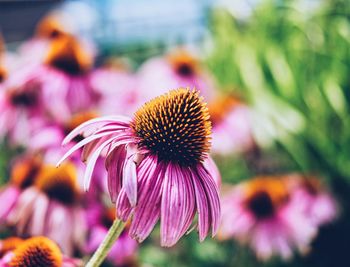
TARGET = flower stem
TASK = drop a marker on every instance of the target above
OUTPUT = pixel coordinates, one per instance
(102, 251)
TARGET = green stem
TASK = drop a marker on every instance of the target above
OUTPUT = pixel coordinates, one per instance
(102, 251)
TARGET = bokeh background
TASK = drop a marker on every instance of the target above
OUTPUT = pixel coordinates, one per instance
(287, 61)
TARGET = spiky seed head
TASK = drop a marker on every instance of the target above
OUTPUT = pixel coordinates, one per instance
(175, 126)
(37, 252)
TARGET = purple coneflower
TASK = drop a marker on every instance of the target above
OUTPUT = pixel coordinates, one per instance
(37, 251)
(232, 132)
(177, 69)
(49, 205)
(259, 213)
(155, 165)
(313, 198)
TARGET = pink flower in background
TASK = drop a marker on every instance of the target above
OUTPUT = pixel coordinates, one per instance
(155, 165)
(34, 50)
(36, 252)
(23, 173)
(50, 207)
(232, 131)
(100, 219)
(312, 197)
(259, 213)
(65, 77)
(22, 107)
(61, 82)
(179, 69)
(118, 90)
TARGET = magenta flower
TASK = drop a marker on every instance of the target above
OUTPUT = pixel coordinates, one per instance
(118, 90)
(60, 82)
(155, 165)
(34, 252)
(178, 69)
(232, 126)
(100, 219)
(45, 202)
(312, 197)
(259, 213)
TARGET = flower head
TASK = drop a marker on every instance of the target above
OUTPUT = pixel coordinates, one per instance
(175, 127)
(36, 251)
(48, 205)
(260, 213)
(156, 165)
(177, 69)
(67, 55)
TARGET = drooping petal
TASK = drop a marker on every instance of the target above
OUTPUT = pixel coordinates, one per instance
(178, 203)
(144, 170)
(147, 211)
(114, 165)
(202, 208)
(212, 193)
(130, 180)
(94, 124)
(8, 198)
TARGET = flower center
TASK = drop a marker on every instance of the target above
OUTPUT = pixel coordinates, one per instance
(265, 196)
(27, 98)
(3, 74)
(37, 252)
(184, 64)
(9, 244)
(261, 205)
(49, 27)
(65, 54)
(219, 108)
(175, 126)
(24, 172)
(59, 183)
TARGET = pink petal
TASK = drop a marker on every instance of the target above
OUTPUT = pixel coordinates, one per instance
(212, 193)
(94, 124)
(130, 180)
(178, 205)
(114, 166)
(147, 211)
(8, 198)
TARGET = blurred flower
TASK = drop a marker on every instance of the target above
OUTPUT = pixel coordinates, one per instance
(312, 197)
(118, 89)
(8, 244)
(23, 174)
(35, 252)
(49, 205)
(100, 219)
(155, 165)
(59, 86)
(33, 51)
(232, 131)
(179, 69)
(259, 213)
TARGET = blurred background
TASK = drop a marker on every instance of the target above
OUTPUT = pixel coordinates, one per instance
(287, 63)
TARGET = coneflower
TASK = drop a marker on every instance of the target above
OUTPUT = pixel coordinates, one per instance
(177, 69)
(260, 213)
(156, 165)
(49, 205)
(37, 252)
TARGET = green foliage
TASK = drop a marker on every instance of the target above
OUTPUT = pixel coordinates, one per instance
(293, 67)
